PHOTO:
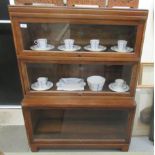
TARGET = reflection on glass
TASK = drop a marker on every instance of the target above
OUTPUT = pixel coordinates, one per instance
(54, 72)
(80, 124)
(56, 33)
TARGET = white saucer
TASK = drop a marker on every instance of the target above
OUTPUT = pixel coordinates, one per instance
(101, 48)
(128, 49)
(75, 48)
(118, 89)
(35, 86)
(35, 48)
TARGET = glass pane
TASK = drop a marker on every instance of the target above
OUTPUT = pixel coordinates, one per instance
(56, 33)
(80, 124)
(54, 72)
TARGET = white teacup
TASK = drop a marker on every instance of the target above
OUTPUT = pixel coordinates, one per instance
(120, 83)
(42, 81)
(96, 83)
(122, 45)
(69, 43)
(41, 43)
(94, 43)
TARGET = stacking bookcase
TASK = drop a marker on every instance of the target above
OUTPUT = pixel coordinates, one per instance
(80, 118)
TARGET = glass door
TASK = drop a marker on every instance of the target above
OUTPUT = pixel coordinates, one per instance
(89, 78)
(80, 124)
(84, 37)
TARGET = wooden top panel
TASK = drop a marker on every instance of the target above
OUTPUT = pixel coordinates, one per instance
(78, 102)
(77, 13)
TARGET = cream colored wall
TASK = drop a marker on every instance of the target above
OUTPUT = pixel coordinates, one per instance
(144, 98)
(148, 49)
(148, 75)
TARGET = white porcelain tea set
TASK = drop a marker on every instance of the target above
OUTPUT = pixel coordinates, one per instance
(41, 45)
(69, 46)
(95, 83)
(119, 86)
(122, 47)
(94, 46)
(42, 84)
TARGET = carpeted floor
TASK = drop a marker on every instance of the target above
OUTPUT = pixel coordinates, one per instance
(13, 139)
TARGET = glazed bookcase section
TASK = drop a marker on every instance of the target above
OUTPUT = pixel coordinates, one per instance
(56, 33)
(54, 72)
(80, 124)
(57, 24)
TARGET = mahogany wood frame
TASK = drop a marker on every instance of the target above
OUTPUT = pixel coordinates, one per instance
(19, 14)
(30, 103)
(26, 85)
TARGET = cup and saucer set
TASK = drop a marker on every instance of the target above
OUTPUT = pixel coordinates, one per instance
(69, 46)
(95, 83)
(95, 46)
(119, 86)
(42, 84)
(41, 45)
(122, 47)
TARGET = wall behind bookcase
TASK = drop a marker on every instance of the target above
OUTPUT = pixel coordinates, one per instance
(148, 49)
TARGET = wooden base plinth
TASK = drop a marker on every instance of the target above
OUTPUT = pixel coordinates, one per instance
(123, 147)
(34, 148)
